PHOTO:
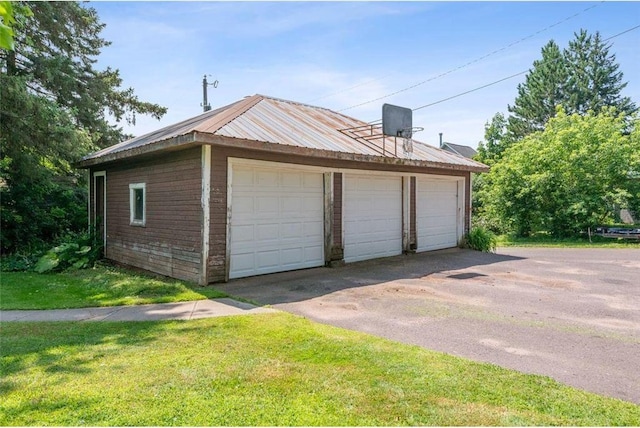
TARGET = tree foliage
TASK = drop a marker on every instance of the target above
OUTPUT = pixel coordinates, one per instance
(594, 81)
(54, 108)
(544, 88)
(6, 22)
(581, 78)
(495, 140)
(568, 177)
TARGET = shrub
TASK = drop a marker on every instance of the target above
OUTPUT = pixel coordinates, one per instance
(78, 252)
(481, 239)
(18, 262)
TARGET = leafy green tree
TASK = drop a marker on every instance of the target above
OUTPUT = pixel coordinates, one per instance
(489, 152)
(6, 21)
(538, 96)
(568, 177)
(54, 108)
(495, 140)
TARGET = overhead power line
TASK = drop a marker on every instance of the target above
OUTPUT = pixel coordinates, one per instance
(509, 77)
(456, 68)
(620, 34)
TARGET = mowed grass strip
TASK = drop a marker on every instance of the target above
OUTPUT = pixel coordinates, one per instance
(543, 240)
(101, 286)
(271, 369)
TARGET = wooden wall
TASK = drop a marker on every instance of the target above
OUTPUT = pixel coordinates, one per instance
(170, 241)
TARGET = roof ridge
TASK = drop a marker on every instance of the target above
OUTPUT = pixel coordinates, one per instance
(217, 121)
(311, 106)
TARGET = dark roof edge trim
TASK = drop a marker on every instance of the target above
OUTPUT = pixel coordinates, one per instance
(206, 138)
(328, 154)
(180, 140)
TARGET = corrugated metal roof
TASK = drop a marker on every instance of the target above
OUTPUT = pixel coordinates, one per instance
(271, 120)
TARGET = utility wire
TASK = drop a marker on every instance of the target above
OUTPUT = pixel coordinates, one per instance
(454, 69)
(469, 91)
(620, 34)
(507, 78)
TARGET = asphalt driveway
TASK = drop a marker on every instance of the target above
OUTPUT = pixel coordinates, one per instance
(571, 314)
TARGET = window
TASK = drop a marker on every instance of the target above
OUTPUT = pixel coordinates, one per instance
(137, 204)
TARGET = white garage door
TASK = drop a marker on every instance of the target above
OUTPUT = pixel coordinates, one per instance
(437, 213)
(277, 220)
(372, 217)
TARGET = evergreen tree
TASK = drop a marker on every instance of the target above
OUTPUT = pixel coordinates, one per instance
(584, 77)
(594, 80)
(538, 96)
(54, 108)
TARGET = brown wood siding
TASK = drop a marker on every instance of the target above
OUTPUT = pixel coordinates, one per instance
(413, 240)
(337, 252)
(218, 217)
(170, 241)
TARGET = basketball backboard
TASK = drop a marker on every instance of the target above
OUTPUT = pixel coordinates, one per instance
(396, 120)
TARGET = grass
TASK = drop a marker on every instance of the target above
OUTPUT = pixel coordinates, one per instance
(271, 369)
(101, 286)
(544, 240)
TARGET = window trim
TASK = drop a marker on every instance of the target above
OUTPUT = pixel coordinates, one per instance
(132, 204)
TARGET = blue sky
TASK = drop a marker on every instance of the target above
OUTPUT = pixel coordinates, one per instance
(342, 54)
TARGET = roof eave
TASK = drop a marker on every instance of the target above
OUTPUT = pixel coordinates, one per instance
(173, 142)
(218, 140)
(197, 138)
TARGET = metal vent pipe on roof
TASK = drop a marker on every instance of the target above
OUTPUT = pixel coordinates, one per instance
(440, 139)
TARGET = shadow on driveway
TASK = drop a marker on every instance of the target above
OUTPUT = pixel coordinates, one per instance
(300, 285)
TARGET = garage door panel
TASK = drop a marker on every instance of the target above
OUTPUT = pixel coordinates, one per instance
(437, 213)
(314, 230)
(291, 256)
(372, 217)
(277, 220)
(313, 181)
(291, 179)
(313, 253)
(267, 232)
(267, 179)
(291, 204)
(244, 233)
(291, 231)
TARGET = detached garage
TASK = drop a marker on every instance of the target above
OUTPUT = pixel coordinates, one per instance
(266, 185)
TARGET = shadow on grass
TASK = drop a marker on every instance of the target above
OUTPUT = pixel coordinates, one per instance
(53, 346)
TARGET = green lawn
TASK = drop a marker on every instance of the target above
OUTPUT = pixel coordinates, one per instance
(271, 369)
(543, 240)
(101, 286)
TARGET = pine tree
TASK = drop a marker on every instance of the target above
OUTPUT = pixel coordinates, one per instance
(594, 80)
(538, 96)
(584, 77)
(54, 105)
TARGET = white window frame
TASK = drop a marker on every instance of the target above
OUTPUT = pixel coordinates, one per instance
(132, 204)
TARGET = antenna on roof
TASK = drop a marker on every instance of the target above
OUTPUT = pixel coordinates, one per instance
(205, 105)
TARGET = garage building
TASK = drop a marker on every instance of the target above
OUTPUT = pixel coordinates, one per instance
(267, 185)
